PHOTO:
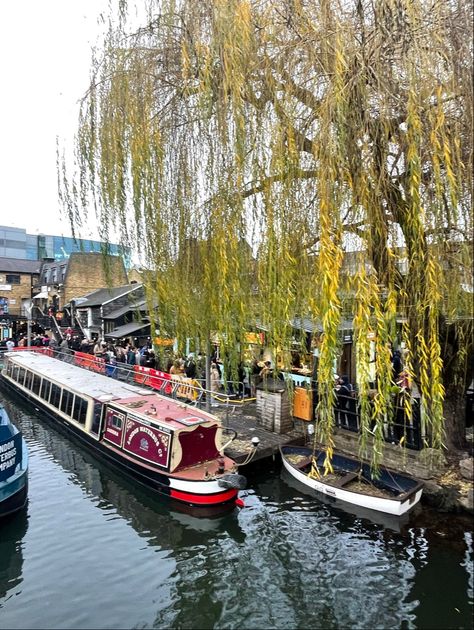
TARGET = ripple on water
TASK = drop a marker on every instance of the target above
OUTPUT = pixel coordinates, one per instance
(97, 551)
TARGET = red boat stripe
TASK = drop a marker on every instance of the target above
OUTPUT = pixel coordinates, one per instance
(204, 499)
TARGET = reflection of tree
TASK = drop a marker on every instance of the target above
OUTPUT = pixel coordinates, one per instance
(435, 561)
(13, 531)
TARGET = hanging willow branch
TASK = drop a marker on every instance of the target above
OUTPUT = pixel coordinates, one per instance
(244, 147)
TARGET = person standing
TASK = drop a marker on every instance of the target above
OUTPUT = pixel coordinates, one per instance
(215, 381)
(266, 371)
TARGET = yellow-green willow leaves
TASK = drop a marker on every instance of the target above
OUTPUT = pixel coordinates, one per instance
(281, 159)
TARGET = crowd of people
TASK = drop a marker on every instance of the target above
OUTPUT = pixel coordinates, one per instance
(130, 352)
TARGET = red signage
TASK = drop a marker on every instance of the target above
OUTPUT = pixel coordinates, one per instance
(147, 442)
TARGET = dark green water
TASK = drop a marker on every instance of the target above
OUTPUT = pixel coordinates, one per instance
(93, 550)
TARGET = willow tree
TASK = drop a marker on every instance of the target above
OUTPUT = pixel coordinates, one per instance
(244, 147)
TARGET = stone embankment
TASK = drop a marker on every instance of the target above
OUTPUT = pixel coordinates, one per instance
(448, 479)
(452, 491)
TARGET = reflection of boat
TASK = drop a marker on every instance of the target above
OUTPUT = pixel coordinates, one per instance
(352, 481)
(11, 552)
(172, 447)
(388, 521)
(161, 521)
(13, 467)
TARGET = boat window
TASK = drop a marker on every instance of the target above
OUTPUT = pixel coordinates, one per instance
(9, 369)
(67, 401)
(55, 397)
(80, 409)
(16, 370)
(45, 389)
(36, 383)
(114, 421)
(97, 417)
(21, 376)
(29, 379)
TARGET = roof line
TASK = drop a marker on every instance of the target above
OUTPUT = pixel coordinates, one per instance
(122, 294)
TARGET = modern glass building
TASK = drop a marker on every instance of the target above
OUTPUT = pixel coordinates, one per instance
(17, 243)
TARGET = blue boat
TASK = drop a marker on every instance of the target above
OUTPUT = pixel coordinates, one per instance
(13, 467)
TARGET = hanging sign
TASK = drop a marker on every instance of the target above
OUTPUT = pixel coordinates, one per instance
(163, 341)
(255, 338)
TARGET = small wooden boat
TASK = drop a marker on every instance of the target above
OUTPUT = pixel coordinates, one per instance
(352, 481)
(170, 446)
(13, 467)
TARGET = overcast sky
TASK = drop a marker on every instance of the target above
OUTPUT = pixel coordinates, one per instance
(45, 60)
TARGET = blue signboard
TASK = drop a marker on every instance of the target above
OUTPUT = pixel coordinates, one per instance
(10, 455)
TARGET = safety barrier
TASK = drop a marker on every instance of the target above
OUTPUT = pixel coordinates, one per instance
(169, 384)
(155, 379)
(96, 364)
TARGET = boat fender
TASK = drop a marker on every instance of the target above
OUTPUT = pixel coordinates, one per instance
(233, 480)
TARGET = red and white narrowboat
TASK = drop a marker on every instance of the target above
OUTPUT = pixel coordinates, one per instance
(172, 447)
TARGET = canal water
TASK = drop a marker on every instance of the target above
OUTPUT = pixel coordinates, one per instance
(94, 550)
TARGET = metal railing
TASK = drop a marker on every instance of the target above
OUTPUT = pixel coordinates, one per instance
(397, 429)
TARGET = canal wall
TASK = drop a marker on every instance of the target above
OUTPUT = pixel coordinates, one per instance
(448, 479)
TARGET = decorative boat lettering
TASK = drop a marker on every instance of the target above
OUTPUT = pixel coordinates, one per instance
(13, 466)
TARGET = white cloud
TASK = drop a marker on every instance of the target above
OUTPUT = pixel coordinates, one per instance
(45, 48)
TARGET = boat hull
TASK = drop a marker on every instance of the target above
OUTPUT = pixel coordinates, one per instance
(15, 496)
(396, 506)
(201, 493)
(13, 467)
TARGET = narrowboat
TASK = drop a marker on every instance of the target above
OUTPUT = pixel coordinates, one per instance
(172, 447)
(13, 467)
(352, 481)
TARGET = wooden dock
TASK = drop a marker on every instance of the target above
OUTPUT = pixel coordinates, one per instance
(245, 423)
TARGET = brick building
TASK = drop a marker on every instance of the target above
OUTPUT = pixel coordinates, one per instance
(17, 278)
(81, 273)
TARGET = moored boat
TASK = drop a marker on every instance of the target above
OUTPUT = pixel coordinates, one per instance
(172, 447)
(13, 467)
(352, 481)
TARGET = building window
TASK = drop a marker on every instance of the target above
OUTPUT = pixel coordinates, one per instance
(3, 306)
(12, 278)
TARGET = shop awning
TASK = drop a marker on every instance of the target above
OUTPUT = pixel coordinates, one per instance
(126, 309)
(41, 296)
(127, 329)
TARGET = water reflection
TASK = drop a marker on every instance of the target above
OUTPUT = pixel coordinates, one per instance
(394, 523)
(152, 516)
(125, 558)
(12, 532)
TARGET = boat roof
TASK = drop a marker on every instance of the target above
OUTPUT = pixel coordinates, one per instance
(108, 390)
